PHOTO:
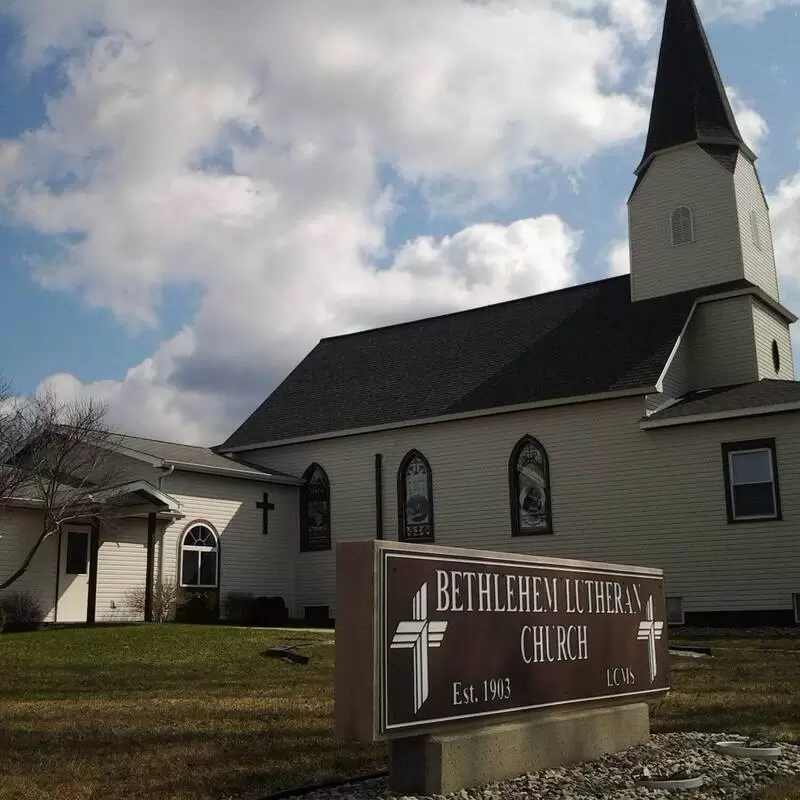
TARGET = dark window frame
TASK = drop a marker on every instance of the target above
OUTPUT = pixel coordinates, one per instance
(199, 523)
(401, 499)
(750, 445)
(513, 487)
(305, 545)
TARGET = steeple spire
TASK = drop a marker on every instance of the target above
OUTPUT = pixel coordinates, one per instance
(689, 100)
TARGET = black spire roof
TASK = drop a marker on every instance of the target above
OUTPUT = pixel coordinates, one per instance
(689, 100)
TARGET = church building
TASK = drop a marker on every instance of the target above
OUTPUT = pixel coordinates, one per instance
(646, 419)
(650, 419)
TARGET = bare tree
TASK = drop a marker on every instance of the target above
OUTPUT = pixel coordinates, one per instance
(10, 435)
(64, 464)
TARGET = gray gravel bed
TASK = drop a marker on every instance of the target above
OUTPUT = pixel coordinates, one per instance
(612, 777)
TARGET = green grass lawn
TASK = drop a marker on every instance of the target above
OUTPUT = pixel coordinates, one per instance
(179, 712)
(166, 711)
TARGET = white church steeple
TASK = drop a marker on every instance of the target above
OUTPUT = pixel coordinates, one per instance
(697, 214)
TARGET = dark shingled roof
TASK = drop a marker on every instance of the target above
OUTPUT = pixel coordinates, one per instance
(732, 398)
(689, 99)
(583, 340)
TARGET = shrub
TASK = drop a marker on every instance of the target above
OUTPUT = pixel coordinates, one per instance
(239, 608)
(270, 611)
(2, 619)
(199, 609)
(165, 595)
(22, 612)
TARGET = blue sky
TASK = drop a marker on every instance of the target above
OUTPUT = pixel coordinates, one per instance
(163, 271)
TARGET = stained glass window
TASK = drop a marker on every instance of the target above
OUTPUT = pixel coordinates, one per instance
(315, 510)
(529, 479)
(415, 498)
(199, 557)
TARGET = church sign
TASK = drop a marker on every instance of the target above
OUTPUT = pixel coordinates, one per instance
(464, 635)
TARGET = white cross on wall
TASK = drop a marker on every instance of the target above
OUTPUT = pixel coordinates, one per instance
(650, 630)
(419, 634)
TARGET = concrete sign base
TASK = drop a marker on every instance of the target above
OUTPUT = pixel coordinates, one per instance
(445, 763)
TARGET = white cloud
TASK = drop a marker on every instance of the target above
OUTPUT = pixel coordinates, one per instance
(198, 385)
(242, 153)
(785, 221)
(744, 11)
(752, 125)
(619, 258)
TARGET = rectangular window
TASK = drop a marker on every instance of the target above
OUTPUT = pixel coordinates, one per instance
(751, 481)
(208, 568)
(77, 552)
(675, 611)
(190, 568)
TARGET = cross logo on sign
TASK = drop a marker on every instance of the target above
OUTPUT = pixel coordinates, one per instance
(649, 631)
(419, 634)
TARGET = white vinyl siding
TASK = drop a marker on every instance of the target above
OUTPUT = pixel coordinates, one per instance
(722, 344)
(769, 327)
(677, 379)
(19, 529)
(655, 498)
(759, 263)
(684, 177)
(121, 568)
(249, 561)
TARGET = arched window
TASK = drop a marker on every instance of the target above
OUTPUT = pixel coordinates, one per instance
(315, 510)
(200, 557)
(529, 487)
(682, 226)
(415, 499)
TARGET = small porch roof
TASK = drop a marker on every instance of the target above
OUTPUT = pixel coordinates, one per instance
(131, 499)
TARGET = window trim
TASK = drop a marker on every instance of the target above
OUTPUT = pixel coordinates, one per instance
(513, 487)
(750, 446)
(199, 523)
(675, 210)
(401, 498)
(305, 547)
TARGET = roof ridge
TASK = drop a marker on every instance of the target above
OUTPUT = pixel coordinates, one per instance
(164, 441)
(476, 309)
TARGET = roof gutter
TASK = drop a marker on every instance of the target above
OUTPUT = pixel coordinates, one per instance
(487, 412)
(717, 416)
(240, 474)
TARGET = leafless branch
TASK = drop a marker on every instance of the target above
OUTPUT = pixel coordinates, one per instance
(64, 462)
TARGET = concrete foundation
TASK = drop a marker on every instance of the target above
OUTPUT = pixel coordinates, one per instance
(445, 763)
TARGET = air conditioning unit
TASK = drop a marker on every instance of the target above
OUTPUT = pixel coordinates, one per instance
(675, 614)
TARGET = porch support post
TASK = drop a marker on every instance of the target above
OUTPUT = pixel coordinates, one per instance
(94, 551)
(148, 578)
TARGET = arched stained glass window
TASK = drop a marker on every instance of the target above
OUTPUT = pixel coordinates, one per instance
(200, 557)
(529, 485)
(315, 510)
(415, 499)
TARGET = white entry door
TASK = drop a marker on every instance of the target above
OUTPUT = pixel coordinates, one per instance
(73, 579)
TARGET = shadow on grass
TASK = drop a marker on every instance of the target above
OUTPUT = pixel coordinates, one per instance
(219, 760)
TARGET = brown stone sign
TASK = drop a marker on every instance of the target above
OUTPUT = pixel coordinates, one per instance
(468, 636)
